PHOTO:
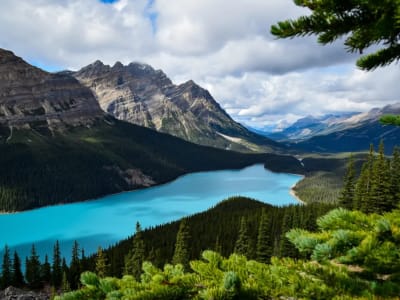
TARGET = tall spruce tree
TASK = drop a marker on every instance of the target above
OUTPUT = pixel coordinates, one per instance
(381, 198)
(56, 274)
(362, 192)
(136, 256)
(395, 176)
(346, 198)
(264, 241)
(32, 270)
(182, 251)
(6, 275)
(17, 276)
(243, 243)
(101, 263)
(74, 267)
(45, 271)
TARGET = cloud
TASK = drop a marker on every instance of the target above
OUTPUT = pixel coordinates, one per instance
(223, 45)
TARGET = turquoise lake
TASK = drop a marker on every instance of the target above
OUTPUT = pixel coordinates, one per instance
(109, 219)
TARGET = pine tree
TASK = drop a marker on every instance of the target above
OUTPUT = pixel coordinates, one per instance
(84, 261)
(32, 271)
(182, 251)
(136, 256)
(101, 263)
(381, 198)
(17, 276)
(362, 193)
(56, 276)
(74, 267)
(264, 243)
(65, 286)
(395, 176)
(286, 247)
(346, 198)
(218, 245)
(6, 275)
(243, 243)
(45, 272)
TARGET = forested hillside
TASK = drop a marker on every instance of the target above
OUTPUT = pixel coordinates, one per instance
(351, 256)
(110, 156)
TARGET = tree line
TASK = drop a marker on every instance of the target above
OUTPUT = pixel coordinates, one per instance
(377, 188)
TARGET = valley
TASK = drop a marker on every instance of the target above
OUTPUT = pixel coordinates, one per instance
(86, 154)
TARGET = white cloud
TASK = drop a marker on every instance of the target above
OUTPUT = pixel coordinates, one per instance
(223, 45)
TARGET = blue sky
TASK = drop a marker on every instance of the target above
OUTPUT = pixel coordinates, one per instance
(225, 46)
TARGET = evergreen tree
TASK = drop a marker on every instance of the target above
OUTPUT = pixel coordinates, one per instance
(182, 251)
(32, 271)
(362, 23)
(286, 247)
(264, 243)
(395, 176)
(381, 198)
(56, 275)
(136, 256)
(17, 276)
(6, 275)
(218, 245)
(74, 267)
(362, 193)
(84, 261)
(45, 272)
(101, 263)
(243, 243)
(346, 198)
(65, 286)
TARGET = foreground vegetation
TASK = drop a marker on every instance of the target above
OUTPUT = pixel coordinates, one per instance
(352, 256)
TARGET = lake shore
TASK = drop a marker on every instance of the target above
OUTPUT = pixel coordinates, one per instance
(292, 192)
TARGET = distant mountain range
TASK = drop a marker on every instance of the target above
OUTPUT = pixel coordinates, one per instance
(58, 146)
(341, 132)
(143, 96)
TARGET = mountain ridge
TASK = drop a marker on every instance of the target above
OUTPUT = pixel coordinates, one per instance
(355, 133)
(139, 94)
(30, 96)
(58, 146)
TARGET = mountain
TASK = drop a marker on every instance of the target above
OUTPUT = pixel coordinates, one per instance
(58, 146)
(30, 97)
(143, 96)
(309, 126)
(355, 133)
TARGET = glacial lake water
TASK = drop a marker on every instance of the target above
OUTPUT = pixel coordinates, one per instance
(109, 219)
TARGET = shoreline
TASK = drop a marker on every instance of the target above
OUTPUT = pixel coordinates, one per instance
(292, 192)
(134, 189)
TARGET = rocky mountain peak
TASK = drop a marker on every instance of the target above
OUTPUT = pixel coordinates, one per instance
(139, 94)
(29, 95)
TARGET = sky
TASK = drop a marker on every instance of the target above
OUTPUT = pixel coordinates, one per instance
(223, 45)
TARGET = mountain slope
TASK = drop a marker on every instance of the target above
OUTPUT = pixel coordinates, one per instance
(356, 133)
(57, 146)
(141, 95)
(30, 97)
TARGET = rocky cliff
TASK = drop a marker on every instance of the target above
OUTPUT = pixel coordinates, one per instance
(30, 97)
(141, 95)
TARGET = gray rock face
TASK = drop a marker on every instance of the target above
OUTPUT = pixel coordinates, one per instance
(143, 96)
(12, 293)
(32, 97)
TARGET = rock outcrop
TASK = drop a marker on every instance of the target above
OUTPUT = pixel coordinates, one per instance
(143, 96)
(31, 97)
(12, 293)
